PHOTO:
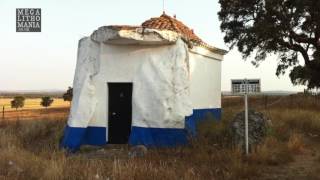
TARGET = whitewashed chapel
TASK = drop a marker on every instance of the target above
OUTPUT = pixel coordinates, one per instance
(147, 84)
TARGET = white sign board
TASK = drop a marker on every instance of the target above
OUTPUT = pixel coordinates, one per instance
(238, 86)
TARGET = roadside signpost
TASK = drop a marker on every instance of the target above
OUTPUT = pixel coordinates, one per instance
(246, 123)
(244, 87)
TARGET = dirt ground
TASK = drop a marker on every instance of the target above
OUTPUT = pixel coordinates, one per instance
(306, 165)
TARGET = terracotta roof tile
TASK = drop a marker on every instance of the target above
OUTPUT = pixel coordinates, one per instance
(165, 22)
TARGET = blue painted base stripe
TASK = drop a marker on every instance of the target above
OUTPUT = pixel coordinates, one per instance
(199, 115)
(95, 136)
(158, 137)
(74, 137)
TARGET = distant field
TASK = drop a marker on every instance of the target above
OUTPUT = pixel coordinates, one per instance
(33, 103)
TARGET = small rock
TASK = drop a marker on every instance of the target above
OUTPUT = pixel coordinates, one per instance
(10, 163)
(138, 151)
(15, 167)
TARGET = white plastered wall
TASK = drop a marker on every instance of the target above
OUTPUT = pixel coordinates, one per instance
(205, 70)
(118, 63)
(154, 71)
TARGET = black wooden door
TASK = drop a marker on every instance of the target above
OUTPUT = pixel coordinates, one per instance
(120, 112)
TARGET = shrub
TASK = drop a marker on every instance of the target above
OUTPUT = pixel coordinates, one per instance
(46, 101)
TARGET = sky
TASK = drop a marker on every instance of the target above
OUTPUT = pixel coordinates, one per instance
(46, 60)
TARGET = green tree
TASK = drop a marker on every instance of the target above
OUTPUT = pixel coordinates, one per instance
(17, 102)
(46, 101)
(68, 95)
(288, 28)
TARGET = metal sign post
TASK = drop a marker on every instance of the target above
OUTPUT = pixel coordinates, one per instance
(246, 116)
(243, 87)
(2, 112)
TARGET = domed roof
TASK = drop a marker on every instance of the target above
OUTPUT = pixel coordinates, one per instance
(165, 22)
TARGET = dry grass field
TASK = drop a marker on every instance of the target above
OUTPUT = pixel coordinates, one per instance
(29, 148)
(32, 103)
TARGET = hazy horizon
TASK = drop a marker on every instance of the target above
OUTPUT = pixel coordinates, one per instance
(46, 60)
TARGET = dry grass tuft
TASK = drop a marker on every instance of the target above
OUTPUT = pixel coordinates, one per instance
(271, 152)
(296, 143)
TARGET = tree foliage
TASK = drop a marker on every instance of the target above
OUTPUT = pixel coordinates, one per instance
(288, 28)
(46, 101)
(68, 95)
(17, 102)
